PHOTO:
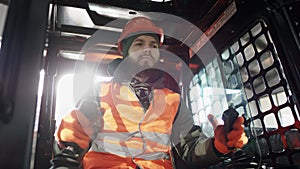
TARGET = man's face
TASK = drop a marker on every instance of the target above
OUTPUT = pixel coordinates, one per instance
(144, 51)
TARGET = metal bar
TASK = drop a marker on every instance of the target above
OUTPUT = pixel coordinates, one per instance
(20, 59)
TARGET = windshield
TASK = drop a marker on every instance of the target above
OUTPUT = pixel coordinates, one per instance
(209, 81)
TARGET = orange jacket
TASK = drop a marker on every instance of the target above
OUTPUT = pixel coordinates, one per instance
(128, 135)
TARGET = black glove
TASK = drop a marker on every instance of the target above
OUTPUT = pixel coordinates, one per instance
(68, 157)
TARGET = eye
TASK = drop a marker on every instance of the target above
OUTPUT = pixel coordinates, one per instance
(154, 45)
(138, 44)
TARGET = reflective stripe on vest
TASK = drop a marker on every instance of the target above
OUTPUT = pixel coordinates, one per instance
(130, 131)
(133, 144)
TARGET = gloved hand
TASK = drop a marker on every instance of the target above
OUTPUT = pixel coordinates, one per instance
(68, 157)
(236, 138)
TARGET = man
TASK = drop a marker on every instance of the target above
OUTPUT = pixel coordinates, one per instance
(139, 121)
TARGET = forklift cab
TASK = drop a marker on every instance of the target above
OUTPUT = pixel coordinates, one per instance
(239, 54)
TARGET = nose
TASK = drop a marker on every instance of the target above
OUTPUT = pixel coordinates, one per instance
(147, 49)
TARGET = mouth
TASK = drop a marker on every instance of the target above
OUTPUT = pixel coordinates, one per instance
(146, 60)
(147, 57)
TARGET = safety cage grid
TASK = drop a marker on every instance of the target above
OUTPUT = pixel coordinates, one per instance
(275, 117)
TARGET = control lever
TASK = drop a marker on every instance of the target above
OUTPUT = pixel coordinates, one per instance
(229, 116)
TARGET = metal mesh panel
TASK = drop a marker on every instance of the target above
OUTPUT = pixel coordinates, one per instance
(275, 119)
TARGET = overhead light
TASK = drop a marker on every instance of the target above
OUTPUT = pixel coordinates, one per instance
(114, 12)
(73, 55)
(79, 17)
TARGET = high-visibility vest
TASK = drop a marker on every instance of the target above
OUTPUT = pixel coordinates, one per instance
(130, 136)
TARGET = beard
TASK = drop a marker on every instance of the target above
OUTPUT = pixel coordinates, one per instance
(145, 63)
(124, 70)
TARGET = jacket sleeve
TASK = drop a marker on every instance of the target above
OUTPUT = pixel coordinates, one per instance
(78, 126)
(190, 143)
(74, 135)
(71, 129)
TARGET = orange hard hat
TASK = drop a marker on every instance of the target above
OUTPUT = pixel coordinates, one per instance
(139, 25)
